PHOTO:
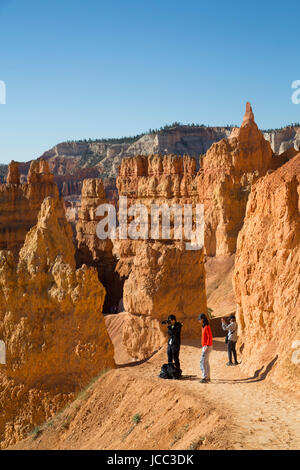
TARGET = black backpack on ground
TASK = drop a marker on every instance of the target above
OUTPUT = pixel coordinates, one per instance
(169, 371)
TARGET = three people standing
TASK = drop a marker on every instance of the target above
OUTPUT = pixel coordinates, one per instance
(174, 340)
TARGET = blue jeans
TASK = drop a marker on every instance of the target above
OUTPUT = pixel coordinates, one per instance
(204, 362)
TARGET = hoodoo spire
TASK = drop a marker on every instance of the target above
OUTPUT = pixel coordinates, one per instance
(249, 116)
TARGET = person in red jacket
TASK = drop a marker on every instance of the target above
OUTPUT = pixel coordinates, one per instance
(207, 342)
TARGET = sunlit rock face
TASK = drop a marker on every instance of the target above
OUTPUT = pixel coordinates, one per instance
(229, 168)
(162, 276)
(51, 323)
(93, 251)
(20, 203)
(267, 276)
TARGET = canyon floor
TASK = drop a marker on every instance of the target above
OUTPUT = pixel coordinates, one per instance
(132, 408)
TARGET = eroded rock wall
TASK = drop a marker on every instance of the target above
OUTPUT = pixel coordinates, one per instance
(267, 276)
(163, 277)
(52, 325)
(20, 203)
(229, 168)
(93, 251)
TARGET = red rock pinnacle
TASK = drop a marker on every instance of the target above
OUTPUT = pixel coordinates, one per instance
(13, 176)
(249, 116)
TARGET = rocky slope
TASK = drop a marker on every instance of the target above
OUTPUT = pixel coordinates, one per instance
(51, 323)
(267, 275)
(131, 408)
(103, 419)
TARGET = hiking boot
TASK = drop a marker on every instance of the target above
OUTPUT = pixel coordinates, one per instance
(229, 364)
(203, 381)
(236, 364)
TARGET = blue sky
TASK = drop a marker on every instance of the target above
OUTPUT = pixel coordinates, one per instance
(92, 69)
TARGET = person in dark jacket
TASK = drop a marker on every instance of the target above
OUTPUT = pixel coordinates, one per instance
(174, 341)
(232, 337)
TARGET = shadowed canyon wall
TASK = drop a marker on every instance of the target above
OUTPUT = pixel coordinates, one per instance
(93, 251)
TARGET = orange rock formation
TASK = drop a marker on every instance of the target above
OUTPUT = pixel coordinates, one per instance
(229, 168)
(90, 249)
(20, 203)
(51, 323)
(162, 276)
(267, 275)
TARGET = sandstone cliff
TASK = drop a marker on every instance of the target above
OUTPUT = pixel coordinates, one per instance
(228, 170)
(283, 139)
(162, 276)
(51, 323)
(71, 162)
(105, 156)
(267, 275)
(20, 203)
(67, 157)
(90, 249)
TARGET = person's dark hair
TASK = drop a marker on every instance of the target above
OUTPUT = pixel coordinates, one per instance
(204, 318)
(171, 317)
(232, 317)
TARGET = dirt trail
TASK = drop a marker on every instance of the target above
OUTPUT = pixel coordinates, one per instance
(235, 411)
(263, 417)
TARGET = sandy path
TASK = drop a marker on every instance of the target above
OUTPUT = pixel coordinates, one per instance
(262, 416)
(233, 411)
